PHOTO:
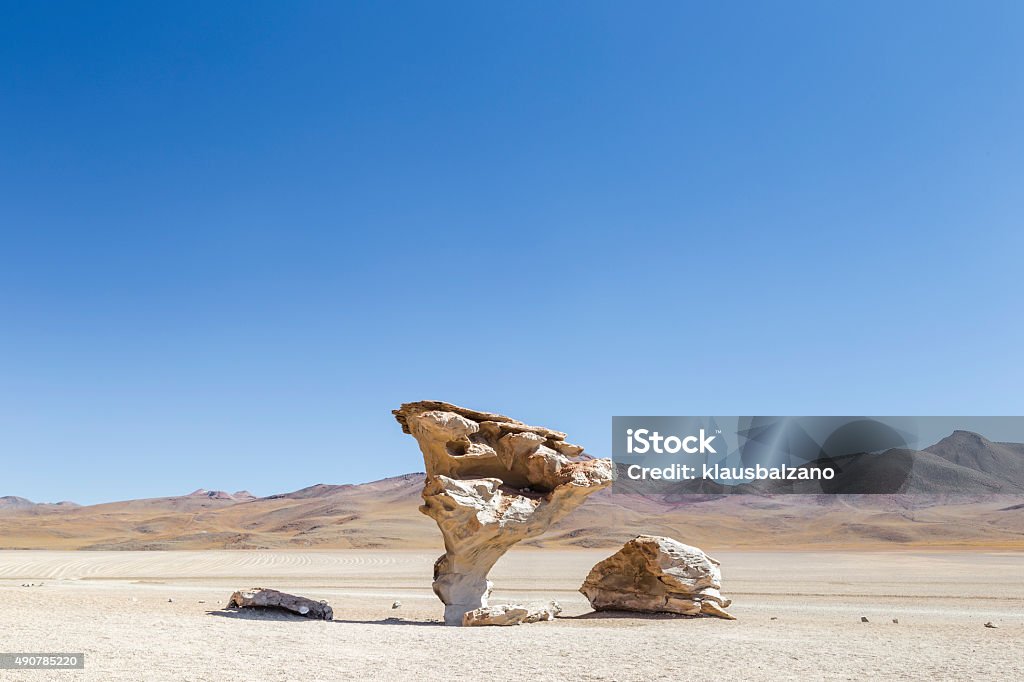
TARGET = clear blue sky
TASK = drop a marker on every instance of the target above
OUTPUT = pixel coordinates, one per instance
(236, 235)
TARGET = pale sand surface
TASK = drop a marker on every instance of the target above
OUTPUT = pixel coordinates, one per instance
(114, 607)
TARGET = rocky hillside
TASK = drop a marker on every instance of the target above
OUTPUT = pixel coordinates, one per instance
(384, 514)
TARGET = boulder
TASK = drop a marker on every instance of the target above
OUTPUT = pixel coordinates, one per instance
(510, 614)
(653, 574)
(491, 482)
(258, 597)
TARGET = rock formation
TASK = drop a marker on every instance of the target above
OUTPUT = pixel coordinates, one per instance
(491, 482)
(258, 597)
(657, 575)
(510, 614)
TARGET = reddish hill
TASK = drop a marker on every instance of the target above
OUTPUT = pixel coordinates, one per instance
(384, 514)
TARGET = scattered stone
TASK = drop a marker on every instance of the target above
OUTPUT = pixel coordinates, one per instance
(774, 618)
(258, 597)
(396, 605)
(491, 482)
(170, 600)
(654, 574)
(510, 614)
(992, 625)
(202, 601)
(896, 621)
(864, 619)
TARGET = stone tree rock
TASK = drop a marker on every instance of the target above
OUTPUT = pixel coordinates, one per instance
(657, 575)
(491, 482)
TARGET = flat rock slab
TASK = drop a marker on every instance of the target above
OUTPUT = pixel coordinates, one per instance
(261, 598)
(510, 614)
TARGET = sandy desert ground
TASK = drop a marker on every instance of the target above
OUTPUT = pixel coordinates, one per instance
(799, 618)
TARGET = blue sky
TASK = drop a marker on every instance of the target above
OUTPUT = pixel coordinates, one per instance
(236, 235)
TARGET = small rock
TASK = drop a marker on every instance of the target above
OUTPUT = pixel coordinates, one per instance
(511, 614)
(864, 619)
(396, 605)
(992, 625)
(774, 618)
(896, 621)
(170, 601)
(202, 601)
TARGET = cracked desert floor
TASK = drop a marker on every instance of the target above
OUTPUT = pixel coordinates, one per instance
(159, 616)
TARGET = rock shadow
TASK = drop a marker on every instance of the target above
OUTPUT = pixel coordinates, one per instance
(287, 616)
(261, 614)
(392, 621)
(634, 615)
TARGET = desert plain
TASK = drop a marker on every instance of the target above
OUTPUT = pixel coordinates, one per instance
(141, 615)
(841, 587)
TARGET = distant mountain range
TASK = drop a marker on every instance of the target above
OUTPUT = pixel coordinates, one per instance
(240, 496)
(12, 502)
(964, 491)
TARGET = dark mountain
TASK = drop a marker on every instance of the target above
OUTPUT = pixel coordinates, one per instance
(903, 471)
(963, 464)
(1002, 461)
(12, 502)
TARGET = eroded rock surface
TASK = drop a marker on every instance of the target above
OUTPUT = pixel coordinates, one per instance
(259, 597)
(510, 614)
(491, 482)
(655, 574)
